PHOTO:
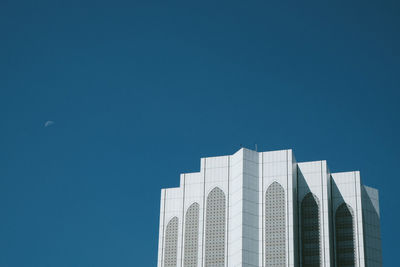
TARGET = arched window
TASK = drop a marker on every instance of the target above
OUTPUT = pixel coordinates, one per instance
(344, 231)
(171, 243)
(310, 231)
(275, 226)
(215, 229)
(191, 236)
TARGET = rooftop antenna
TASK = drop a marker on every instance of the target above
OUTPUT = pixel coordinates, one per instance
(256, 148)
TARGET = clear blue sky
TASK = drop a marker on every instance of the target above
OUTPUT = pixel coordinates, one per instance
(140, 90)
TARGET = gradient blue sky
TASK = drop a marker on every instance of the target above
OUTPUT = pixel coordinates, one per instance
(140, 90)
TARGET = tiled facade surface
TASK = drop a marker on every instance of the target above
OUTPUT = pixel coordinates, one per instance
(228, 206)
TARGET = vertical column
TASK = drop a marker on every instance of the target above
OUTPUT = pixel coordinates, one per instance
(346, 188)
(277, 169)
(183, 181)
(203, 170)
(312, 178)
(161, 230)
(372, 235)
(235, 233)
(250, 208)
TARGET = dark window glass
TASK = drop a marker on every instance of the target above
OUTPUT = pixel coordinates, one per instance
(310, 231)
(344, 231)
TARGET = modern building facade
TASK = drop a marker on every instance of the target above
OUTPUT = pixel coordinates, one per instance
(265, 209)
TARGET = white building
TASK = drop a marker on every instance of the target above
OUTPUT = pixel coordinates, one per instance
(265, 209)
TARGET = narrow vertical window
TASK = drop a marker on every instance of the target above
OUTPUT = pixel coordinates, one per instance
(310, 231)
(171, 243)
(215, 229)
(344, 231)
(191, 236)
(275, 226)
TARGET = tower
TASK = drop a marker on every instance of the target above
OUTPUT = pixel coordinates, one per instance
(265, 209)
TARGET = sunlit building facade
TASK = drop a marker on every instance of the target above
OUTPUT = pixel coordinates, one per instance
(266, 209)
